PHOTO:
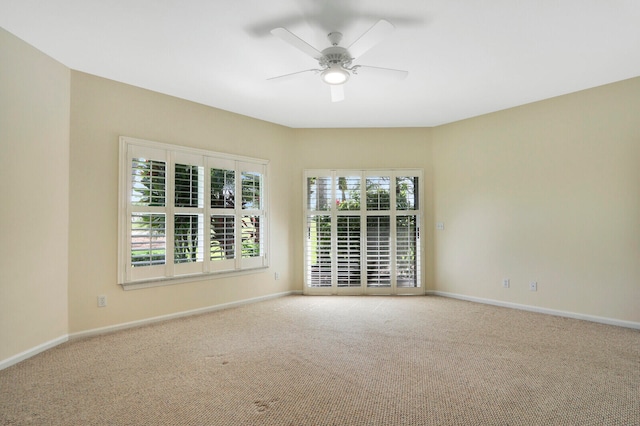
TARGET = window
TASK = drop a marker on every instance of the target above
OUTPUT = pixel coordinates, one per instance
(362, 231)
(179, 216)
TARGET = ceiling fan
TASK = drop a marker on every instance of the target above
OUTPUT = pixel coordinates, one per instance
(336, 62)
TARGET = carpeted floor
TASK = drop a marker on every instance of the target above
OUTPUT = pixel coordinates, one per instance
(337, 361)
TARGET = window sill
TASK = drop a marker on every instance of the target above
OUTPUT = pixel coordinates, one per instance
(160, 282)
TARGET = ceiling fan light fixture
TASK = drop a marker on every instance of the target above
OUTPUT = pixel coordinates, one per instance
(335, 74)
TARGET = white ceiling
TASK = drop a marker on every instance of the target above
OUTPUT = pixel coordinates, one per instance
(464, 57)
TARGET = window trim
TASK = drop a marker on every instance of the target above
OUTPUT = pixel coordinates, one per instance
(241, 164)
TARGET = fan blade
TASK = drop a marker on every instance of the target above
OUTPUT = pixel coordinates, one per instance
(337, 92)
(386, 72)
(293, 73)
(295, 41)
(374, 35)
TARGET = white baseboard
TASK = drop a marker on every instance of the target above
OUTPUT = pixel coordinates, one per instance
(123, 326)
(32, 352)
(592, 318)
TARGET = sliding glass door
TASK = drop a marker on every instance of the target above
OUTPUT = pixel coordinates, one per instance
(362, 232)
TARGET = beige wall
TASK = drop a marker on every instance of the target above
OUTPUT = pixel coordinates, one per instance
(367, 149)
(34, 197)
(101, 111)
(547, 192)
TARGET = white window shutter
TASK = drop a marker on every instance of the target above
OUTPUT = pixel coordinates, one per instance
(362, 231)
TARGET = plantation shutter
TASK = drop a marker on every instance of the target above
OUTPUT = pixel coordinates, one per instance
(362, 232)
(348, 251)
(378, 196)
(222, 214)
(407, 246)
(253, 215)
(187, 212)
(146, 247)
(407, 231)
(318, 243)
(348, 187)
(318, 251)
(378, 251)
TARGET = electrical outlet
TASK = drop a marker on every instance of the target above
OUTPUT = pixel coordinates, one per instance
(506, 283)
(276, 275)
(533, 286)
(102, 301)
(440, 226)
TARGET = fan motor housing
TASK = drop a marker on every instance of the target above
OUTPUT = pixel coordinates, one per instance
(335, 55)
